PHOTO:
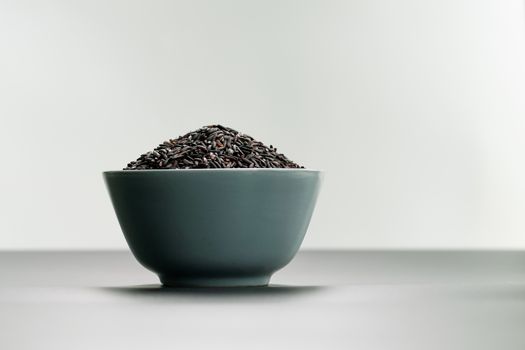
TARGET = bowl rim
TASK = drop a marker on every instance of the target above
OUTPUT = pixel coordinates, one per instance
(142, 171)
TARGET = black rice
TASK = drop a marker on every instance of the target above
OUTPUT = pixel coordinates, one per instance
(213, 146)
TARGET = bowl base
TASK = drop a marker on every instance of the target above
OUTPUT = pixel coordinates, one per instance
(205, 281)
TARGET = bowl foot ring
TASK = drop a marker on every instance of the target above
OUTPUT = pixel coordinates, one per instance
(201, 281)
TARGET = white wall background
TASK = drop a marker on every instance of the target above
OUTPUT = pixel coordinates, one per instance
(415, 109)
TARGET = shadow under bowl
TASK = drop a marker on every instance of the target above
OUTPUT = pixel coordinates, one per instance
(214, 227)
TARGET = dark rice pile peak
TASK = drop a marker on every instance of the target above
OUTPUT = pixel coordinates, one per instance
(213, 146)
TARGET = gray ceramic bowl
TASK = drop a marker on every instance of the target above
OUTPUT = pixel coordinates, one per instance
(214, 227)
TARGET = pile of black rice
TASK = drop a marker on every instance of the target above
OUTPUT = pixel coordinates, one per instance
(213, 146)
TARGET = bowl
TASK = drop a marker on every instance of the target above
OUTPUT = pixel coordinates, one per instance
(214, 227)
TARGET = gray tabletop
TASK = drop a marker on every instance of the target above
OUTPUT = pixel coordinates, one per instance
(323, 299)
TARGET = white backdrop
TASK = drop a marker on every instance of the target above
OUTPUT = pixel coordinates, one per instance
(415, 110)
